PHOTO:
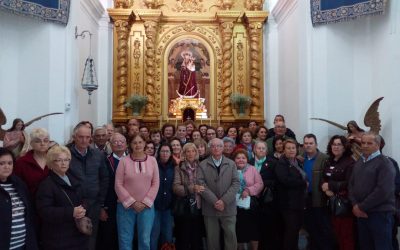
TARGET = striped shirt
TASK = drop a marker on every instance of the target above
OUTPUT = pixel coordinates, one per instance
(18, 230)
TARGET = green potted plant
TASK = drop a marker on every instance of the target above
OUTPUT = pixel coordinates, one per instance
(241, 102)
(136, 103)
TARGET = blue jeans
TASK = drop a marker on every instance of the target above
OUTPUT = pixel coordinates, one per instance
(126, 220)
(375, 232)
(164, 232)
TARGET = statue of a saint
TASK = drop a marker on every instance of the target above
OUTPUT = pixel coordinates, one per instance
(187, 85)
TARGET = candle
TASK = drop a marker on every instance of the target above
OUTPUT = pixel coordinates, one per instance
(176, 122)
(219, 119)
(160, 122)
(210, 120)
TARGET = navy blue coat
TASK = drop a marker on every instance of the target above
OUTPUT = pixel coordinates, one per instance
(164, 197)
(5, 215)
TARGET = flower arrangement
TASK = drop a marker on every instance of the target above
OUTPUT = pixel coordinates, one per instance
(241, 102)
(136, 103)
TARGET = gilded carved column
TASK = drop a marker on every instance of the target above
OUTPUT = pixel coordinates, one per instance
(122, 23)
(255, 25)
(227, 53)
(151, 20)
(226, 20)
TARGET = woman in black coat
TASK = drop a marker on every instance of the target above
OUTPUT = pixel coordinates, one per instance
(291, 186)
(14, 205)
(53, 201)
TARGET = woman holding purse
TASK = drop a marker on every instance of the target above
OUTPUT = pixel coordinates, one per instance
(58, 201)
(336, 174)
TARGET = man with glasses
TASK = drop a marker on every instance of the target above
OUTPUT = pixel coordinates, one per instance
(219, 177)
(107, 236)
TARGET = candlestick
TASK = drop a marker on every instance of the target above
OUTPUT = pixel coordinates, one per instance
(210, 120)
(176, 122)
(160, 122)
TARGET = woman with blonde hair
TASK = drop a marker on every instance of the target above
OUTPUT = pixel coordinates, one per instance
(59, 204)
(32, 167)
(190, 223)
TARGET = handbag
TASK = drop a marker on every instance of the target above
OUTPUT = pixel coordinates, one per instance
(184, 206)
(84, 224)
(339, 206)
(267, 196)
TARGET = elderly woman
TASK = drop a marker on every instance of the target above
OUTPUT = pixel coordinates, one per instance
(246, 143)
(14, 137)
(136, 184)
(59, 204)
(31, 167)
(163, 220)
(251, 185)
(261, 133)
(269, 217)
(291, 190)
(336, 175)
(189, 226)
(15, 208)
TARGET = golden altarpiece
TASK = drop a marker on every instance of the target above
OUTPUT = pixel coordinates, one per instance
(188, 57)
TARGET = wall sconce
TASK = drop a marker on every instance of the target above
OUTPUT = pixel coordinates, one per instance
(89, 79)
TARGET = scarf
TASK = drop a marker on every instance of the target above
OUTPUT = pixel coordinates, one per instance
(241, 178)
(258, 163)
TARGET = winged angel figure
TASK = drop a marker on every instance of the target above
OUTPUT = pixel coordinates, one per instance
(354, 132)
(15, 138)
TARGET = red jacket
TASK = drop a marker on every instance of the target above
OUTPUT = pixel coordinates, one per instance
(30, 172)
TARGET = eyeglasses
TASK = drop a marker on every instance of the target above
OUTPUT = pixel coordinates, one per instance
(118, 142)
(62, 160)
(216, 146)
(41, 141)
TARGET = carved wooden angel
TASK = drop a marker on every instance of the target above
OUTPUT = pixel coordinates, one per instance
(15, 138)
(354, 132)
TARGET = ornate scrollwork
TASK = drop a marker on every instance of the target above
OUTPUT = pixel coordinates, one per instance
(153, 4)
(151, 33)
(226, 31)
(189, 26)
(254, 4)
(240, 55)
(122, 28)
(189, 6)
(225, 4)
(123, 4)
(255, 58)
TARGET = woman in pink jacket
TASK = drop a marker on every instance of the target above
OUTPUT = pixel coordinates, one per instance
(251, 185)
(136, 185)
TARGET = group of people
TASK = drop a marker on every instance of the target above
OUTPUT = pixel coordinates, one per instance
(201, 187)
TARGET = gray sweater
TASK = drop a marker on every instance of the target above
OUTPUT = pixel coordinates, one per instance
(371, 185)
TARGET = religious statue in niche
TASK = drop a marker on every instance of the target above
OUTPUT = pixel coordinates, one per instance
(188, 78)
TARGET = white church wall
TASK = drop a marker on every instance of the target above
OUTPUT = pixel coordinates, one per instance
(42, 65)
(334, 71)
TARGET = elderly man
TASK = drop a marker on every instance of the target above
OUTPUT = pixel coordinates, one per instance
(89, 166)
(110, 130)
(288, 131)
(279, 129)
(371, 192)
(219, 177)
(108, 237)
(100, 140)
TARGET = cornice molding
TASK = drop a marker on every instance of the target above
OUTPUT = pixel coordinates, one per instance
(283, 9)
(94, 8)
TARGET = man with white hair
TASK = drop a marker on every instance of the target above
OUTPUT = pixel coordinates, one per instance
(219, 176)
(88, 166)
(371, 192)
